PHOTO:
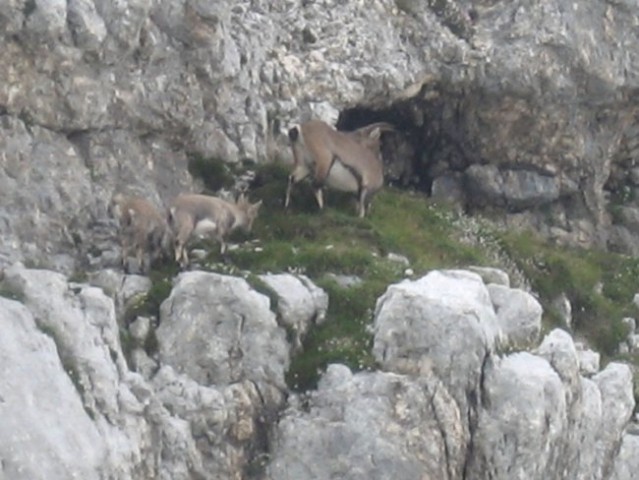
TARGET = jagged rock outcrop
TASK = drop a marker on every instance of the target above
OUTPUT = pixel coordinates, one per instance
(35, 394)
(301, 304)
(369, 425)
(69, 392)
(481, 414)
(445, 404)
(218, 331)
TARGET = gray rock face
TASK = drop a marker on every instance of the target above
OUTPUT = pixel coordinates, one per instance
(82, 322)
(518, 315)
(87, 367)
(626, 465)
(71, 408)
(526, 402)
(444, 321)
(447, 406)
(588, 360)
(300, 305)
(370, 426)
(514, 190)
(491, 275)
(46, 433)
(218, 331)
(442, 325)
(474, 414)
(125, 290)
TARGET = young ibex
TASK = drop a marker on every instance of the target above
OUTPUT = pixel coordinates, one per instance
(206, 216)
(346, 161)
(142, 230)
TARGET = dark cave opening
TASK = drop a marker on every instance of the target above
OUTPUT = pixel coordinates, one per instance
(427, 142)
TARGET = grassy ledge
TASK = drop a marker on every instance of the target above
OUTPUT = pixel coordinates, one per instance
(599, 285)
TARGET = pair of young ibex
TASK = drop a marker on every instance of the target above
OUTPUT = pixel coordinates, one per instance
(347, 161)
(148, 234)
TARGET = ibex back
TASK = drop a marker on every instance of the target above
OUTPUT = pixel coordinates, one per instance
(346, 161)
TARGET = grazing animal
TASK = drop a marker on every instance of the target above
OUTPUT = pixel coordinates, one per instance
(346, 161)
(206, 216)
(142, 230)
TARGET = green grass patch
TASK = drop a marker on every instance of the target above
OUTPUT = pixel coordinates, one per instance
(600, 285)
(7, 291)
(214, 173)
(148, 305)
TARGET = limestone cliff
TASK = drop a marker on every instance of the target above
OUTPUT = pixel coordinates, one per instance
(525, 109)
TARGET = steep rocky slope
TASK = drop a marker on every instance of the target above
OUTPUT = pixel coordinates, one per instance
(524, 111)
(210, 401)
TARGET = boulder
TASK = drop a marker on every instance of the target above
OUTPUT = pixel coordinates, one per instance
(300, 303)
(217, 330)
(369, 425)
(626, 462)
(520, 432)
(518, 315)
(45, 430)
(443, 322)
(491, 275)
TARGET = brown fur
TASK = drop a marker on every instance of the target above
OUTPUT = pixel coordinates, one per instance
(203, 215)
(142, 230)
(348, 161)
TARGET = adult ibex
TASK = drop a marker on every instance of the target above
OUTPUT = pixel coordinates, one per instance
(206, 216)
(346, 161)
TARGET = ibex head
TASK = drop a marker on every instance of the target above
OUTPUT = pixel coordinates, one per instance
(250, 210)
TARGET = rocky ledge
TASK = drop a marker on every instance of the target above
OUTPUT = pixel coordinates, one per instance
(464, 388)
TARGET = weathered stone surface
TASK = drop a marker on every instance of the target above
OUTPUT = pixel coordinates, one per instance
(511, 189)
(81, 321)
(120, 92)
(440, 411)
(93, 417)
(525, 402)
(617, 404)
(560, 352)
(588, 360)
(125, 290)
(627, 462)
(444, 325)
(44, 186)
(46, 432)
(215, 430)
(217, 330)
(441, 320)
(370, 425)
(448, 188)
(564, 425)
(491, 275)
(300, 304)
(563, 307)
(518, 315)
